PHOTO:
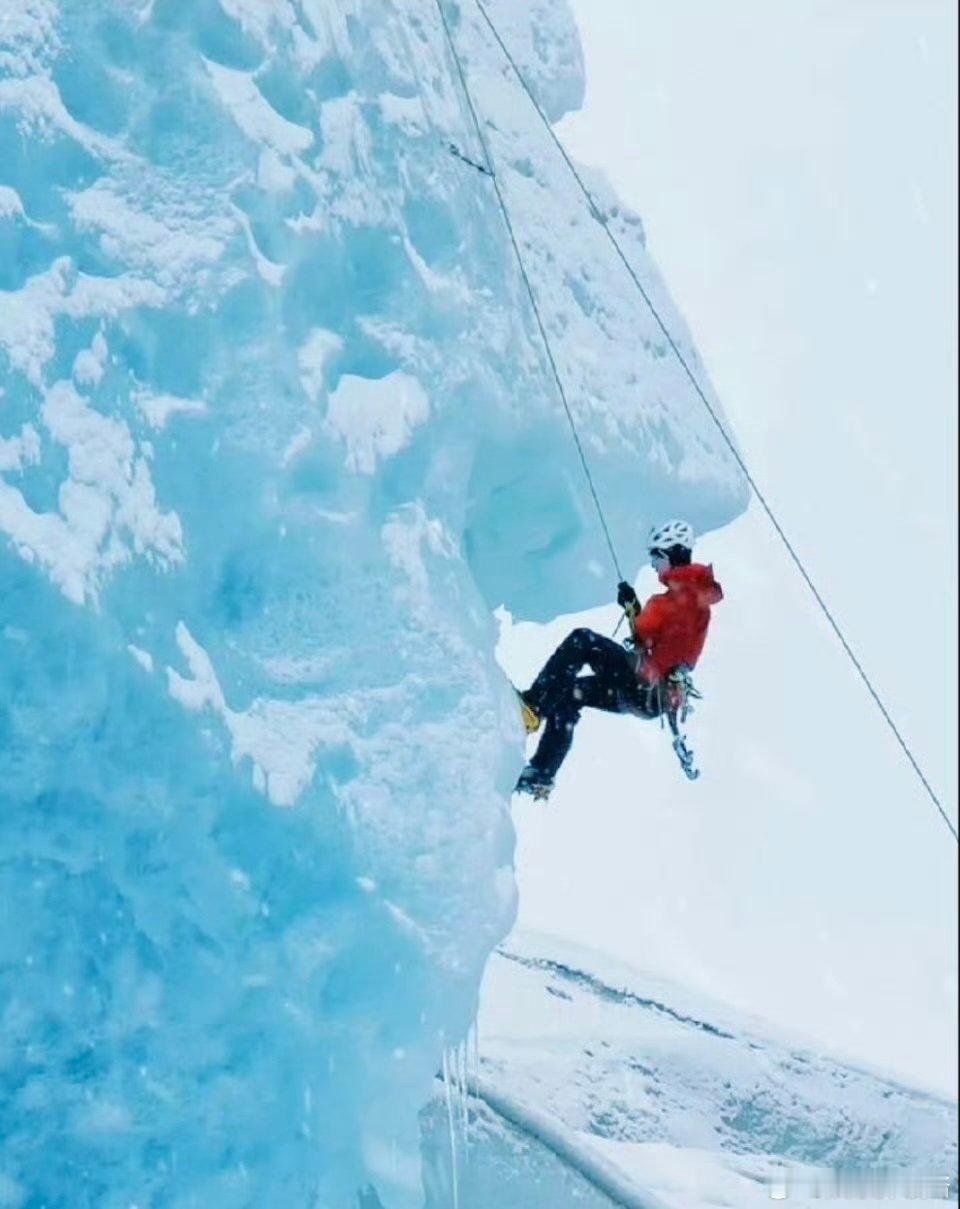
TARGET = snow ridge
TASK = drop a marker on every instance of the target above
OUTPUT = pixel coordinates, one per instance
(602, 990)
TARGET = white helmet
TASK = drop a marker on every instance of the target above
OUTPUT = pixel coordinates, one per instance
(673, 533)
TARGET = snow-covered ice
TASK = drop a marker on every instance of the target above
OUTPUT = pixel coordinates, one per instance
(276, 438)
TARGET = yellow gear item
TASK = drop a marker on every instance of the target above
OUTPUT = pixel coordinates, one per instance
(531, 719)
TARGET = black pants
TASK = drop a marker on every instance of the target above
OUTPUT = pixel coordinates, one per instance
(559, 693)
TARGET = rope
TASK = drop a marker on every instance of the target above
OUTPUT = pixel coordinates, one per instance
(488, 169)
(788, 545)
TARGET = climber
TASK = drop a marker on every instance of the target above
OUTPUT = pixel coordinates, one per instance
(647, 676)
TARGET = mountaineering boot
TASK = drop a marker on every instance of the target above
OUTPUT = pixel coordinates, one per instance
(535, 783)
(531, 719)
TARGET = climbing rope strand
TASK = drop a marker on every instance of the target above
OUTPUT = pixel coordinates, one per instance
(490, 170)
(788, 545)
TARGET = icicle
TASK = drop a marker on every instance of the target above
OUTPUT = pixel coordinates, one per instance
(460, 1055)
(454, 1174)
(466, 1087)
(457, 1091)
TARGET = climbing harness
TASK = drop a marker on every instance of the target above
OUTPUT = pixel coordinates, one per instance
(681, 691)
(669, 700)
(599, 215)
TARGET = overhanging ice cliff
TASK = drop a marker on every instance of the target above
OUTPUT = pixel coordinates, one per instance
(275, 438)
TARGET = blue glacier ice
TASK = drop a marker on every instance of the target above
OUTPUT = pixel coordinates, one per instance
(276, 438)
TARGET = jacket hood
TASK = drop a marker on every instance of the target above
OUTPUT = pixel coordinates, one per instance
(696, 576)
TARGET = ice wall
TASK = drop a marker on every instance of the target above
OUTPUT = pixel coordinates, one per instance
(275, 437)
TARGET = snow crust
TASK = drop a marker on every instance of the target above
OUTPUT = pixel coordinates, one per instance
(275, 439)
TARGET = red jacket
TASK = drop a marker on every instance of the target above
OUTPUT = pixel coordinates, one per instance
(671, 628)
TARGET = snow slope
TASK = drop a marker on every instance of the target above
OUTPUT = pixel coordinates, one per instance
(691, 1102)
(275, 438)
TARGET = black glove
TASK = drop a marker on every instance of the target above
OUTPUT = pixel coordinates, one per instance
(626, 597)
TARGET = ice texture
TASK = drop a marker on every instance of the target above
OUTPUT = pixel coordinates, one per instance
(276, 437)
